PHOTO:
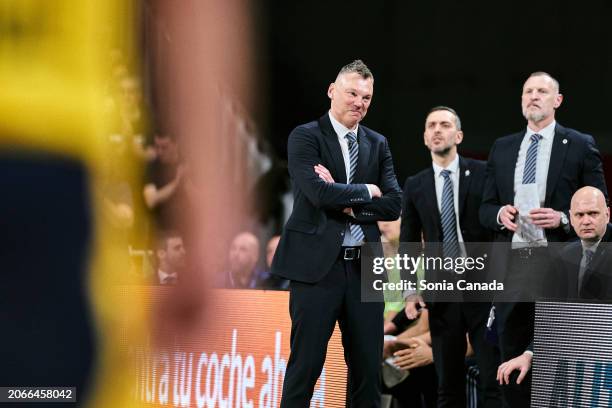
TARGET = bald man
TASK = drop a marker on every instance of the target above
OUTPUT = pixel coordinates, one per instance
(242, 260)
(587, 261)
(588, 275)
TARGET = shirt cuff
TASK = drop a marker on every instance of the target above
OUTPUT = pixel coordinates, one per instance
(369, 192)
(497, 218)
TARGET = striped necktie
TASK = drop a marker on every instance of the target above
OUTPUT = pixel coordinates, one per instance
(448, 219)
(353, 148)
(529, 171)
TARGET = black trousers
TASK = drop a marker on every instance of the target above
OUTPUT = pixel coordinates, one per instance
(449, 323)
(515, 320)
(418, 390)
(314, 310)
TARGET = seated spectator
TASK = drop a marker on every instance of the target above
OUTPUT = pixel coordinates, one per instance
(269, 281)
(242, 270)
(171, 258)
(411, 350)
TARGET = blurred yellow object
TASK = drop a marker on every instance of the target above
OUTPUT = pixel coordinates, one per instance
(56, 63)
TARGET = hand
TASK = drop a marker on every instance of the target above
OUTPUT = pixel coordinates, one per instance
(389, 347)
(323, 173)
(374, 190)
(410, 309)
(522, 363)
(507, 217)
(348, 211)
(545, 217)
(418, 354)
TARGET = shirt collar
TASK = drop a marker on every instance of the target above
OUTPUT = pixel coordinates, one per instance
(453, 167)
(340, 129)
(590, 246)
(547, 133)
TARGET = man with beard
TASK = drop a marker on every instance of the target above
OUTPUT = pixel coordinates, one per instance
(545, 163)
(441, 204)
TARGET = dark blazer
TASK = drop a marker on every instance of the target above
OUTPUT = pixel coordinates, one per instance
(597, 281)
(575, 162)
(420, 206)
(312, 238)
(420, 214)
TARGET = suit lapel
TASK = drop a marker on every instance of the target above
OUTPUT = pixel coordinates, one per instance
(508, 173)
(330, 137)
(464, 184)
(428, 185)
(557, 159)
(364, 154)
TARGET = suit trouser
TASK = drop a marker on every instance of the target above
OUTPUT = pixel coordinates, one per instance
(449, 323)
(314, 310)
(515, 322)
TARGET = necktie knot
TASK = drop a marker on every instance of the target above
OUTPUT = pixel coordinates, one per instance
(445, 173)
(535, 138)
(588, 256)
(351, 138)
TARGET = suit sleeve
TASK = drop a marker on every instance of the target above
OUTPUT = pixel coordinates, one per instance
(593, 174)
(411, 226)
(387, 207)
(490, 196)
(303, 154)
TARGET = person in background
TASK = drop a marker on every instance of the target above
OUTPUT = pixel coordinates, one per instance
(171, 257)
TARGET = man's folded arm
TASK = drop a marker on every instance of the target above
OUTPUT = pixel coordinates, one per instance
(304, 155)
(386, 208)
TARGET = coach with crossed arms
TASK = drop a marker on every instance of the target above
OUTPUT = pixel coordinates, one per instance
(343, 183)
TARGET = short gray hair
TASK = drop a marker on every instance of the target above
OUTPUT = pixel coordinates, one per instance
(542, 73)
(358, 67)
(451, 110)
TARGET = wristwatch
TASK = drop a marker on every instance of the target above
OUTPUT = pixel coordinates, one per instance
(564, 220)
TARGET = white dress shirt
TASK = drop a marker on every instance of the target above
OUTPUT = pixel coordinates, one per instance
(544, 151)
(341, 132)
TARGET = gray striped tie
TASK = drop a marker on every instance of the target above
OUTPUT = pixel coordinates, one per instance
(351, 138)
(529, 171)
(448, 218)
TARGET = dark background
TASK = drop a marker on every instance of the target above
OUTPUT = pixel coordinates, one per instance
(472, 56)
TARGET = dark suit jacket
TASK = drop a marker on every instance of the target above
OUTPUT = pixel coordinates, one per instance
(313, 235)
(575, 162)
(597, 281)
(420, 215)
(420, 212)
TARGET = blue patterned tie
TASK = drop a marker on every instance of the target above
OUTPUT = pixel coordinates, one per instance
(448, 219)
(529, 171)
(351, 138)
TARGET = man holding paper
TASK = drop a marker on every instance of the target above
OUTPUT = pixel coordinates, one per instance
(531, 177)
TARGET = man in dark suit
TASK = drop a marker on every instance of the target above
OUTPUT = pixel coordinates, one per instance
(441, 204)
(343, 183)
(587, 261)
(584, 266)
(548, 163)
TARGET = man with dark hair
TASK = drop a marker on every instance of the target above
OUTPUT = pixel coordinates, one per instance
(343, 183)
(545, 163)
(164, 191)
(171, 257)
(441, 205)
